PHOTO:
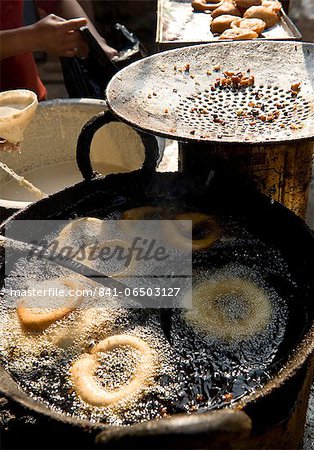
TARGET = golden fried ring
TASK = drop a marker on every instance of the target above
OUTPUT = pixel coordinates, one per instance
(110, 244)
(238, 34)
(63, 236)
(267, 14)
(142, 213)
(178, 239)
(257, 25)
(208, 316)
(145, 213)
(87, 387)
(203, 5)
(34, 319)
(221, 23)
(226, 9)
(245, 4)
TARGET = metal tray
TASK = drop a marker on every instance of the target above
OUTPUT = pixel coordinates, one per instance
(178, 25)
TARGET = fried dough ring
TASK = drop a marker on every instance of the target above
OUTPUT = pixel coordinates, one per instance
(208, 316)
(142, 213)
(177, 239)
(113, 243)
(257, 25)
(65, 233)
(33, 319)
(145, 213)
(97, 223)
(222, 23)
(226, 9)
(203, 5)
(87, 387)
(245, 4)
(238, 34)
(267, 14)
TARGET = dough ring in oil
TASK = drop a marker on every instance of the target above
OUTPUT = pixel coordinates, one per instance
(115, 243)
(177, 238)
(145, 213)
(91, 392)
(34, 319)
(92, 225)
(142, 213)
(229, 309)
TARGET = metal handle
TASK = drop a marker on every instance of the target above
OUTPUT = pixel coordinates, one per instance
(214, 430)
(85, 140)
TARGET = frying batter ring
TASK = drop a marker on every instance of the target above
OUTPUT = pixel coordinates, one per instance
(34, 320)
(64, 234)
(177, 239)
(142, 211)
(207, 316)
(113, 243)
(83, 370)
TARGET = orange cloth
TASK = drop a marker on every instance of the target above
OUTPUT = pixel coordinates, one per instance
(20, 71)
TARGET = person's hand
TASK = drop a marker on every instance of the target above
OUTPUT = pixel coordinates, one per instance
(59, 37)
(110, 52)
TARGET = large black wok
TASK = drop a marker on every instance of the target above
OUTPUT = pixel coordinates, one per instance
(225, 193)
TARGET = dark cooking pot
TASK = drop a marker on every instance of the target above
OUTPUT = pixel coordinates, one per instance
(267, 408)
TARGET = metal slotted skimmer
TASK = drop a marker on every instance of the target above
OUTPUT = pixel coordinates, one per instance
(173, 94)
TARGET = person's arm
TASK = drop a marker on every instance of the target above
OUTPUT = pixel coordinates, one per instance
(70, 9)
(16, 41)
(51, 34)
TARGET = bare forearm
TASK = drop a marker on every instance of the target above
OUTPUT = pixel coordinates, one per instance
(70, 9)
(52, 34)
(16, 41)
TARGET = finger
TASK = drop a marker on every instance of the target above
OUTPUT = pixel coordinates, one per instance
(56, 18)
(74, 24)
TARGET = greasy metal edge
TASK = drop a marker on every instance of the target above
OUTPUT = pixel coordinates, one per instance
(291, 25)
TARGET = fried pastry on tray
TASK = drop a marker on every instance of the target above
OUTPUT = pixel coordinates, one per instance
(203, 5)
(273, 4)
(257, 25)
(238, 33)
(267, 14)
(245, 4)
(222, 23)
(226, 8)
